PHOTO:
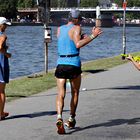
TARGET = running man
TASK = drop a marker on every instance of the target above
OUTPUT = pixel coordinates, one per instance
(70, 41)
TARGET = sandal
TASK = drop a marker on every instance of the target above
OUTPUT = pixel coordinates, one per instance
(4, 115)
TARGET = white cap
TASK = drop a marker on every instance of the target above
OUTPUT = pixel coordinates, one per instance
(3, 20)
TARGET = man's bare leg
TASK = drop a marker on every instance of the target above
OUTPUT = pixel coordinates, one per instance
(61, 84)
(75, 86)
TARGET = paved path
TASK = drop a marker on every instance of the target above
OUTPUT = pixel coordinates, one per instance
(108, 110)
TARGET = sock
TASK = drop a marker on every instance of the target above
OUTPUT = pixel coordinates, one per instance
(59, 116)
(71, 118)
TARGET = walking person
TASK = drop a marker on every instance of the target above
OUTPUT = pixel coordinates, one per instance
(70, 41)
(4, 66)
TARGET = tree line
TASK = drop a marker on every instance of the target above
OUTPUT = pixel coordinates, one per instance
(8, 8)
(92, 3)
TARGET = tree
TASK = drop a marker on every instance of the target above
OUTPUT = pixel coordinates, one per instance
(53, 3)
(130, 3)
(119, 2)
(72, 3)
(29, 3)
(26, 3)
(89, 3)
(20, 4)
(8, 8)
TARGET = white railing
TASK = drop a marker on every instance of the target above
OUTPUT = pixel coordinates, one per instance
(94, 9)
(132, 9)
(27, 9)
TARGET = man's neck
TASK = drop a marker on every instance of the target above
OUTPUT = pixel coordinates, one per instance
(70, 23)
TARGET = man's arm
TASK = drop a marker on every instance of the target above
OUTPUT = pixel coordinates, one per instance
(2, 40)
(136, 64)
(2, 49)
(82, 42)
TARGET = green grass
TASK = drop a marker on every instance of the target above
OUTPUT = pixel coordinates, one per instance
(24, 87)
(103, 64)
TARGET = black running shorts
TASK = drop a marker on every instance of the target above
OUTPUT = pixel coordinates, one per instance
(67, 71)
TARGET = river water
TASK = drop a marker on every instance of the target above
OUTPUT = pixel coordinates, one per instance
(27, 47)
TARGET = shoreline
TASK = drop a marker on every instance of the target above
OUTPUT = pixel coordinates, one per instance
(86, 24)
(41, 73)
(128, 25)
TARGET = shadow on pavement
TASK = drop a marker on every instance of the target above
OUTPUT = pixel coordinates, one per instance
(110, 123)
(34, 115)
(136, 87)
(18, 96)
(94, 71)
(37, 95)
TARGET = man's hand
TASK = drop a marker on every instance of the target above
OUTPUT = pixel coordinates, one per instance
(96, 31)
(8, 55)
(129, 57)
(83, 36)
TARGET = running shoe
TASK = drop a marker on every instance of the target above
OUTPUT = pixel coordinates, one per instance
(60, 126)
(70, 123)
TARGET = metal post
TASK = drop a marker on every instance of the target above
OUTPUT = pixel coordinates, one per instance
(37, 16)
(47, 33)
(46, 57)
(78, 3)
(124, 28)
(44, 12)
(46, 43)
(98, 17)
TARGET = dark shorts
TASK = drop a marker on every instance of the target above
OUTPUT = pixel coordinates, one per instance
(4, 72)
(67, 71)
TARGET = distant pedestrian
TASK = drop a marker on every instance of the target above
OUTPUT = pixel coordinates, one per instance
(4, 66)
(134, 60)
(70, 41)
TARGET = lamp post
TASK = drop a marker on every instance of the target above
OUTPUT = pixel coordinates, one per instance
(44, 8)
(124, 28)
(98, 16)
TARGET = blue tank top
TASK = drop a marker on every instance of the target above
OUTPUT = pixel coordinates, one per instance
(66, 46)
(4, 66)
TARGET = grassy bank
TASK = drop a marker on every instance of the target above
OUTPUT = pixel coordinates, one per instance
(26, 86)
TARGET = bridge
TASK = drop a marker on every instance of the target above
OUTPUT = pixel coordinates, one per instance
(106, 13)
(92, 9)
(83, 9)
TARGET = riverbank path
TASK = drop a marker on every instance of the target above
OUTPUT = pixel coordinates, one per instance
(108, 109)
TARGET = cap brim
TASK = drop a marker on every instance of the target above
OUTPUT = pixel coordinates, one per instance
(8, 23)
